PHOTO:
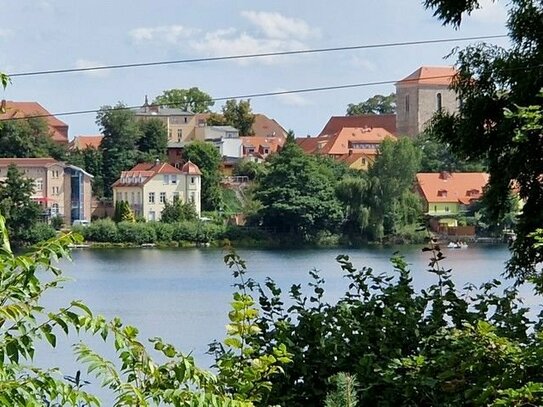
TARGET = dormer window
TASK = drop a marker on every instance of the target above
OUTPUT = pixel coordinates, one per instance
(442, 193)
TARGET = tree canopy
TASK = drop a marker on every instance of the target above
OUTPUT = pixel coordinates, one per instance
(497, 120)
(377, 104)
(238, 114)
(190, 100)
(208, 159)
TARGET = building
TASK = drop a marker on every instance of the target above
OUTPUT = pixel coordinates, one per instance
(58, 130)
(420, 95)
(446, 195)
(257, 148)
(336, 123)
(84, 142)
(147, 186)
(357, 147)
(225, 138)
(59, 188)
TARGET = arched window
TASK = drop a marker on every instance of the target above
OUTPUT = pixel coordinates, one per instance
(439, 104)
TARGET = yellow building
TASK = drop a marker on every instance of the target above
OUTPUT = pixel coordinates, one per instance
(147, 186)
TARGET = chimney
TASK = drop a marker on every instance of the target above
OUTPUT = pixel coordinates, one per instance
(350, 151)
(444, 175)
(157, 162)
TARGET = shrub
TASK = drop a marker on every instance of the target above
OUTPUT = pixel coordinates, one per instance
(57, 222)
(41, 232)
(103, 230)
(137, 233)
(163, 231)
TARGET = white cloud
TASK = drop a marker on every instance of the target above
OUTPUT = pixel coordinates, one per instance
(170, 34)
(490, 12)
(86, 63)
(292, 99)
(232, 42)
(276, 25)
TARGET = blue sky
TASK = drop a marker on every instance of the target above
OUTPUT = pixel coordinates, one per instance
(49, 34)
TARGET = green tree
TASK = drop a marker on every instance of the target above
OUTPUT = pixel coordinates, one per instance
(123, 212)
(236, 114)
(492, 83)
(392, 178)
(90, 159)
(21, 213)
(25, 138)
(119, 145)
(190, 100)
(249, 168)
(352, 193)
(208, 159)
(153, 142)
(437, 156)
(377, 104)
(178, 211)
(296, 197)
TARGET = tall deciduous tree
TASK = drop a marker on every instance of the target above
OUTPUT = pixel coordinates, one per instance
(153, 141)
(208, 159)
(20, 211)
(392, 177)
(297, 198)
(352, 193)
(177, 211)
(28, 138)
(236, 114)
(491, 82)
(190, 100)
(119, 146)
(377, 104)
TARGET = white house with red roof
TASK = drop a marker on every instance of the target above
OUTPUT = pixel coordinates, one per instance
(147, 186)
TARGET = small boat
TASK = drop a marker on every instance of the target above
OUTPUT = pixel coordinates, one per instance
(457, 245)
(148, 245)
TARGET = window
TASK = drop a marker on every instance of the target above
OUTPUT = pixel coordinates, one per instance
(133, 197)
(192, 179)
(169, 133)
(54, 173)
(174, 179)
(179, 134)
(266, 151)
(175, 196)
(166, 179)
(185, 119)
(119, 196)
(54, 209)
(38, 184)
(407, 103)
(446, 209)
(56, 190)
(192, 197)
(162, 197)
(435, 208)
(438, 102)
(151, 197)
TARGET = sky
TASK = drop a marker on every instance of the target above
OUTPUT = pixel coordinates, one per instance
(56, 34)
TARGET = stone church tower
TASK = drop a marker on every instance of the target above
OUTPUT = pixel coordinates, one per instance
(420, 95)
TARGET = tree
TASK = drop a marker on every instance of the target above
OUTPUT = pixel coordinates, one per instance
(392, 177)
(352, 192)
(249, 168)
(236, 114)
(177, 211)
(208, 159)
(90, 159)
(23, 138)
(437, 156)
(153, 142)
(190, 100)
(500, 117)
(297, 199)
(377, 104)
(121, 135)
(21, 213)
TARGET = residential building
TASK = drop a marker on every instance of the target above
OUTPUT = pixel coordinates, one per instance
(87, 141)
(60, 189)
(357, 147)
(58, 130)
(225, 138)
(257, 148)
(336, 123)
(265, 127)
(420, 95)
(147, 186)
(446, 195)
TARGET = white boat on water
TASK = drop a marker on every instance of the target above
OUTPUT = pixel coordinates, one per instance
(457, 245)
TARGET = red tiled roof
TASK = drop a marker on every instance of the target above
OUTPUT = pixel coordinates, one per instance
(137, 178)
(351, 158)
(263, 126)
(462, 187)
(336, 123)
(259, 143)
(58, 129)
(191, 168)
(84, 142)
(430, 75)
(157, 168)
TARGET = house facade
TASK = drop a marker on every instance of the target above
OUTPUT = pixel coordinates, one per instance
(447, 195)
(59, 188)
(147, 186)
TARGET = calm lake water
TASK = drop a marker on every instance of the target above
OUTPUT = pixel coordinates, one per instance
(183, 295)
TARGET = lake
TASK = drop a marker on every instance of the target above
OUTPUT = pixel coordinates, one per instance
(183, 295)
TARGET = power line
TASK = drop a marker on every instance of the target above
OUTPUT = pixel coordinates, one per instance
(246, 96)
(257, 55)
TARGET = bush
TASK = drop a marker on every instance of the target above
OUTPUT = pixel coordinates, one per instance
(163, 231)
(137, 233)
(103, 230)
(185, 231)
(41, 232)
(57, 222)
